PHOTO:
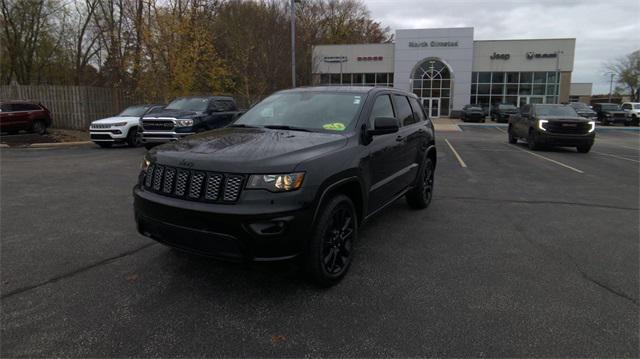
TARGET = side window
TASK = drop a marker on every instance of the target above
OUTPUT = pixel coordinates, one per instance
(6, 107)
(32, 107)
(230, 105)
(381, 108)
(626, 106)
(418, 111)
(20, 107)
(405, 114)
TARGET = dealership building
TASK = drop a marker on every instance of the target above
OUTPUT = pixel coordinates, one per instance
(447, 68)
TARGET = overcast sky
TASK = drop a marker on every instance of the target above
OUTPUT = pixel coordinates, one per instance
(604, 29)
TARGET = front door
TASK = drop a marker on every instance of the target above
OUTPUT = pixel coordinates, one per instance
(432, 106)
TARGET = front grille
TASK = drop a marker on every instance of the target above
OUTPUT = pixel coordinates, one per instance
(158, 125)
(619, 116)
(576, 128)
(100, 136)
(101, 125)
(193, 185)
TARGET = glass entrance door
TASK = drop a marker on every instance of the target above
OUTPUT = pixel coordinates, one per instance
(432, 105)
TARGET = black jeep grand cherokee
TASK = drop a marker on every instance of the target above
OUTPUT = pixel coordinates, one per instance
(293, 177)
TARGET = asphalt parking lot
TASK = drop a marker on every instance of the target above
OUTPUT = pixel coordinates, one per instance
(520, 254)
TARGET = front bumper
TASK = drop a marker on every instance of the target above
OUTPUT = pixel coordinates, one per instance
(108, 135)
(162, 137)
(226, 231)
(563, 139)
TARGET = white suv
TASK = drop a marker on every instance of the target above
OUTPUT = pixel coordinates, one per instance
(633, 110)
(122, 128)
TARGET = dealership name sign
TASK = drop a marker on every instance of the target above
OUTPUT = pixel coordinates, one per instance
(530, 56)
(433, 44)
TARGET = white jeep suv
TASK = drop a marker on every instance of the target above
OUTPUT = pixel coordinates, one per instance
(633, 111)
(122, 128)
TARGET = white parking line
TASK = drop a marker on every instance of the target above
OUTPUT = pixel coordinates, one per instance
(615, 156)
(501, 130)
(550, 160)
(462, 164)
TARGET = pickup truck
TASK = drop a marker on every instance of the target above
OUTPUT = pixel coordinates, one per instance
(611, 113)
(501, 112)
(551, 125)
(294, 177)
(633, 112)
(185, 116)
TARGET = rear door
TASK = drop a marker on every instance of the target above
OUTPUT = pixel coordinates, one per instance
(20, 119)
(408, 139)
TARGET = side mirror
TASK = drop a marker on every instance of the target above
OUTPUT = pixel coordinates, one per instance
(384, 125)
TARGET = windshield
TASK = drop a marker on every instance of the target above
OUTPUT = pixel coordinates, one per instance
(579, 106)
(309, 110)
(610, 107)
(555, 110)
(133, 111)
(507, 107)
(189, 104)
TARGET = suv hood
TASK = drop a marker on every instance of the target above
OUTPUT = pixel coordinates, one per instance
(246, 150)
(564, 118)
(116, 119)
(182, 114)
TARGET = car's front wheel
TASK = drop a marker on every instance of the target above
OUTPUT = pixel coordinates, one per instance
(133, 137)
(330, 249)
(584, 148)
(512, 138)
(420, 196)
(532, 141)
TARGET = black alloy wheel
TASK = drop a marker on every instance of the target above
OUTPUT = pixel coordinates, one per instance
(331, 247)
(39, 127)
(512, 139)
(133, 137)
(420, 196)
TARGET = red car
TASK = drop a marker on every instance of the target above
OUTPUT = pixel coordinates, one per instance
(24, 115)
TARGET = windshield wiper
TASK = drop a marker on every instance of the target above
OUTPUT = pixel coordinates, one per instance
(285, 127)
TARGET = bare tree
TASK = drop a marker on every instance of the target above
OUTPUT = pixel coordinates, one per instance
(627, 72)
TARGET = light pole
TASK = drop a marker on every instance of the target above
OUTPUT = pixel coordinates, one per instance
(611, 86)
(293, 42)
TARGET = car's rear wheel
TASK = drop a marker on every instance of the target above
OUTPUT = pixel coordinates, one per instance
(584, 148)
(330, 249)
(420, 196)
(105, 144)
(133, 137)
(512, 139)
(39, 127)
(532, 141)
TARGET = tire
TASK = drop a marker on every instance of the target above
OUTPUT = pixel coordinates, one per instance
(420, 196)
(584, 148)
(512, 139)
(39, 127)
(105, 144)
(330, 250)
(133, 138)
(483, 120)
(532, 142)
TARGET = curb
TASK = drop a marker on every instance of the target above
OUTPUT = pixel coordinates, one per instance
(49, 144)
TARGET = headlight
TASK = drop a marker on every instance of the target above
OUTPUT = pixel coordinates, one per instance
(145, 164)
(593, 126)
(118, 124)
(607, 115)
(276, 183)
(184, 123)
(540, 123)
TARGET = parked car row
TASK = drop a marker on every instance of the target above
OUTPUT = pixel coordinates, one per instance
(627, 114)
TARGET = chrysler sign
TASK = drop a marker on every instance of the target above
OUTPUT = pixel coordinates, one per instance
(535, 55)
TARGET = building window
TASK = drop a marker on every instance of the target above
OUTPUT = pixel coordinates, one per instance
(432, 79)
(515, 88)
(358, 79)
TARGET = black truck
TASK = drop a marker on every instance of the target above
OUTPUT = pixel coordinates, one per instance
(551, 125)
(294, 177)
(501, 112)
(611, 113)
(185, 116)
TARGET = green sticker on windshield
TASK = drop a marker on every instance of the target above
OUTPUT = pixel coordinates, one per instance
(336, 126)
